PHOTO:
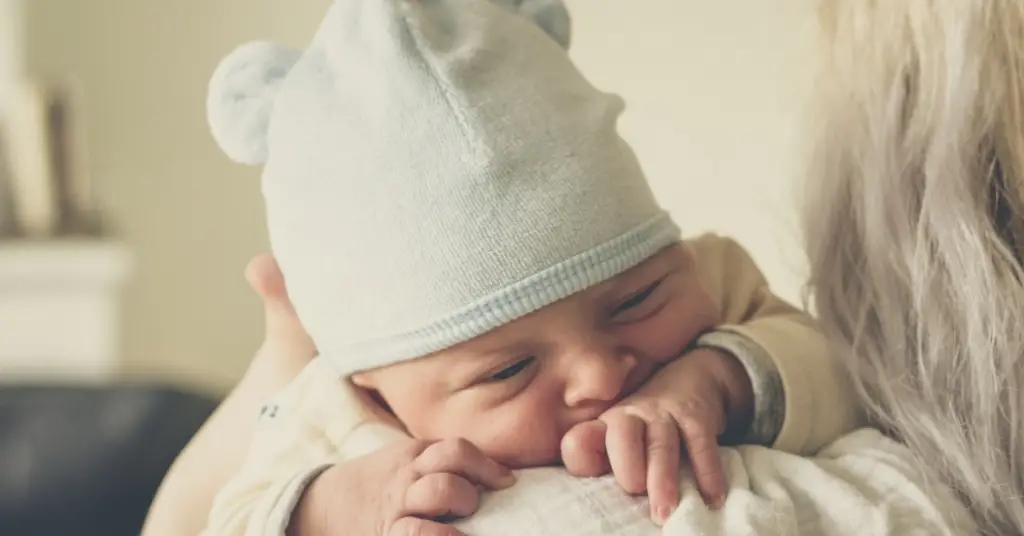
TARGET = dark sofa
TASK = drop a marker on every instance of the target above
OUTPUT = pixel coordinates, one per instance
(86, 461)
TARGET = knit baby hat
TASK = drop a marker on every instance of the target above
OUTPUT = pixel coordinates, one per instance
(433, 169)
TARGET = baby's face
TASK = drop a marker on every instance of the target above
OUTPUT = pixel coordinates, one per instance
(517, 390)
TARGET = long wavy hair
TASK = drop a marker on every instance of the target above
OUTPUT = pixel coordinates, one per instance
(914, 227)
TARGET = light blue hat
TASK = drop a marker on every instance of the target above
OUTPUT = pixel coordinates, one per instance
(434, 169)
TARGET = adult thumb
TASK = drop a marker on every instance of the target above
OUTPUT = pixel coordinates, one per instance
(281, 321)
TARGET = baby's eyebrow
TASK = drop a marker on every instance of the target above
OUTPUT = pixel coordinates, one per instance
(484, 349)
(495, 355)
(639, 280)
(460, 373)
(481, 356)
(471, 367)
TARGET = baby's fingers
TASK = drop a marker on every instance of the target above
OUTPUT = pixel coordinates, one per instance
(663, 455)
(583, 450)
(413, 526)
(441, 495)
(460, 457)
(626, 441)
(701, 439)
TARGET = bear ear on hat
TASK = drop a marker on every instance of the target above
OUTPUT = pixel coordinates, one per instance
(551, 16)
(241, 98)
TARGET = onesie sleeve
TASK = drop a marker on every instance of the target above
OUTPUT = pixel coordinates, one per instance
(299, 435)
(804, 399)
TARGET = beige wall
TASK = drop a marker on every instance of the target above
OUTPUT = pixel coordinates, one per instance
(192, 218)
(713, 102)
(715, 91)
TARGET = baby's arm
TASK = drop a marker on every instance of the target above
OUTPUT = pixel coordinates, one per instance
(802, 400)
(324, 463)
(291, 446)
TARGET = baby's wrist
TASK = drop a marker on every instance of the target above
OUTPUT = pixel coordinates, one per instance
(309, 515)
(769, 401)
(735, 386)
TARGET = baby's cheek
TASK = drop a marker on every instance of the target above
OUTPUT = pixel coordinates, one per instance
(668, 334)
(525, 431)
(520, 435)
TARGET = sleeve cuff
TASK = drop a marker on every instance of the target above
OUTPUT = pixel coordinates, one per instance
(769, 395)
(285, 498)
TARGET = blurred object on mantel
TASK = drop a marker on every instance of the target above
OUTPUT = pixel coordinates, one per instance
(44, 167)
(8, 223)
(60, 318)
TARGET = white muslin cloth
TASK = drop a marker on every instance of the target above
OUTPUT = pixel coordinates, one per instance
(864, 484)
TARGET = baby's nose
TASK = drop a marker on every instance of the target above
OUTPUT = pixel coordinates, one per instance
(597, 377)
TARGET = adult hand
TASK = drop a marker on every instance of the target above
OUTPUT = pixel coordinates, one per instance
(286, 346)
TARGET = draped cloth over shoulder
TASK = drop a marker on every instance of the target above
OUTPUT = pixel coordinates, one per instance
(862, 485)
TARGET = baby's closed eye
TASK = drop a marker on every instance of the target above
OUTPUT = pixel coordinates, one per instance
(638, 306)
(512, 371)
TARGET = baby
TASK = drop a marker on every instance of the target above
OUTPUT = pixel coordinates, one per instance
(482, 266)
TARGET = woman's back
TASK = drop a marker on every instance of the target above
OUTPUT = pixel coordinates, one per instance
(915, 231)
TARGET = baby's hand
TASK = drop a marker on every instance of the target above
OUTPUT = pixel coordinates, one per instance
(640, 439)
(403, 490)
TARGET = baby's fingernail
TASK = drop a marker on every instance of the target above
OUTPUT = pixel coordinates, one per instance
(508, 479)
(661, 514)
(717, 502)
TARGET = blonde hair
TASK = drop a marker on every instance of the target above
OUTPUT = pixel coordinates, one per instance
(914, 229)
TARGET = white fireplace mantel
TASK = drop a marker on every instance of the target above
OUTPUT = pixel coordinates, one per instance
(59, 299)
(60, 309)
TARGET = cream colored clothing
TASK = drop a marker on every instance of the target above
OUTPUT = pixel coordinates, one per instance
(319, 420)
(820, 403)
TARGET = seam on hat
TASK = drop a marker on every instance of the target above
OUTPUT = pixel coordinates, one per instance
(439, 81)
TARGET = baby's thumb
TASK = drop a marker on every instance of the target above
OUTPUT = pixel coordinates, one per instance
(583, 450)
